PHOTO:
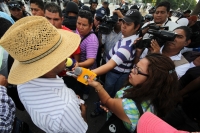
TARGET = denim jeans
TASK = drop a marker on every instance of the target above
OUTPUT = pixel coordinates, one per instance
(114, 82)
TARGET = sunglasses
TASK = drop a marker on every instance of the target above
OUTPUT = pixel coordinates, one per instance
(137, 71)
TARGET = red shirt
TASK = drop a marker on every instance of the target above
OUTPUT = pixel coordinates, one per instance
(78, 50)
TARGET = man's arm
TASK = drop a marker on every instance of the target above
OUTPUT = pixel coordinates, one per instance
(105, 68)
(88, 63)
(7, 108)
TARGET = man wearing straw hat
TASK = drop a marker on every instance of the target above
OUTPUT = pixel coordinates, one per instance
(40, 51)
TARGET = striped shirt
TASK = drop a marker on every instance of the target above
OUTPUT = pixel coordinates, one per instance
(7, 111)
(89, 47)
(52, 106)
(123, 54)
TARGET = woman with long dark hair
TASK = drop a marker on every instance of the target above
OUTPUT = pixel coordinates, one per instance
(152, 83)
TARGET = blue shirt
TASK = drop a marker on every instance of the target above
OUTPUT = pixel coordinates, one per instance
(6, 16)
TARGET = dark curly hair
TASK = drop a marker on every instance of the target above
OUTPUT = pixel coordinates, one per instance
(161, 86)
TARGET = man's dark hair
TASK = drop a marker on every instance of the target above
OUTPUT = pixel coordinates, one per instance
(187, 31)
(40, 3)
(187, 11)
(165, 4)
(86, 14)
(53, 8)
(5, 25)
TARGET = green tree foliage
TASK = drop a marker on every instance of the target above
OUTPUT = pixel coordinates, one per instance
(196, 9)
(175, 4)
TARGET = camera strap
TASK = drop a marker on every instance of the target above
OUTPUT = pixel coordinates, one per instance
(166, 22)
(86, 36)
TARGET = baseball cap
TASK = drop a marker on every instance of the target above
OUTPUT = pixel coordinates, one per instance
(132, 15)
(84, 7)
(134, 7)
(100, 13)
(150, 123)
(14, 4)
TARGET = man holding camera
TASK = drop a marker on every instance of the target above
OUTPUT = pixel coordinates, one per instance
(173, 49)
(160, 18)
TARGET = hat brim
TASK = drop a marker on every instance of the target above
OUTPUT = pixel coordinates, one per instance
(11, 8)
(126, 19)
(21, 73)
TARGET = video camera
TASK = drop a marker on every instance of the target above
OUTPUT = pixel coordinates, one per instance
(160, 34)
(108, 23)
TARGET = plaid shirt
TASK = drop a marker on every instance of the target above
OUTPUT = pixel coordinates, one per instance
(7, 111)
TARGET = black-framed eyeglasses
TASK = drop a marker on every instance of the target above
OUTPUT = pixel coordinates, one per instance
(137, 71)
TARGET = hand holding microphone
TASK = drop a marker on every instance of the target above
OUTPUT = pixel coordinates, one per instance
(82, 75)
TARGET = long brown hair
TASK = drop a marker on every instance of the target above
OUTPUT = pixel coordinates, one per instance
(161, 86)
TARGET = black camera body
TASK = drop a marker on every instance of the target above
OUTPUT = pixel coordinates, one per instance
(161, 36)
(107, 24)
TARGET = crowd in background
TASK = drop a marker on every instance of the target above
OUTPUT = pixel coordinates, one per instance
(143, 64)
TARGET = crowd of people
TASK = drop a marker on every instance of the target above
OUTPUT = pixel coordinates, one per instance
(143, 64)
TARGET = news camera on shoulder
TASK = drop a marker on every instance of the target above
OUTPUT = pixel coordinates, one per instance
(158, 33)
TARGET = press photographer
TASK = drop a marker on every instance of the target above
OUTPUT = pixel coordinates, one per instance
(160, 18)
(158, 33)
(107, 24)
(180, 38)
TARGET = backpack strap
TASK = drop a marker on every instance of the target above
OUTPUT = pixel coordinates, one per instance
(86, 36)
(139, 107)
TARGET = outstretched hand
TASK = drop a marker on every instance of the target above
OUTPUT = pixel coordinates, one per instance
(93, 83)
(3, 80)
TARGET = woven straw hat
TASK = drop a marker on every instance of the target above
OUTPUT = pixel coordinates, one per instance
(37, 47)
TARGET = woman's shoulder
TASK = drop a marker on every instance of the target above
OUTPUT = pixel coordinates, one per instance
(120, 93)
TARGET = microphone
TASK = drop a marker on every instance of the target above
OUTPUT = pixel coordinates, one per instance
(84, 74)
(70, 63)
(71, 73)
